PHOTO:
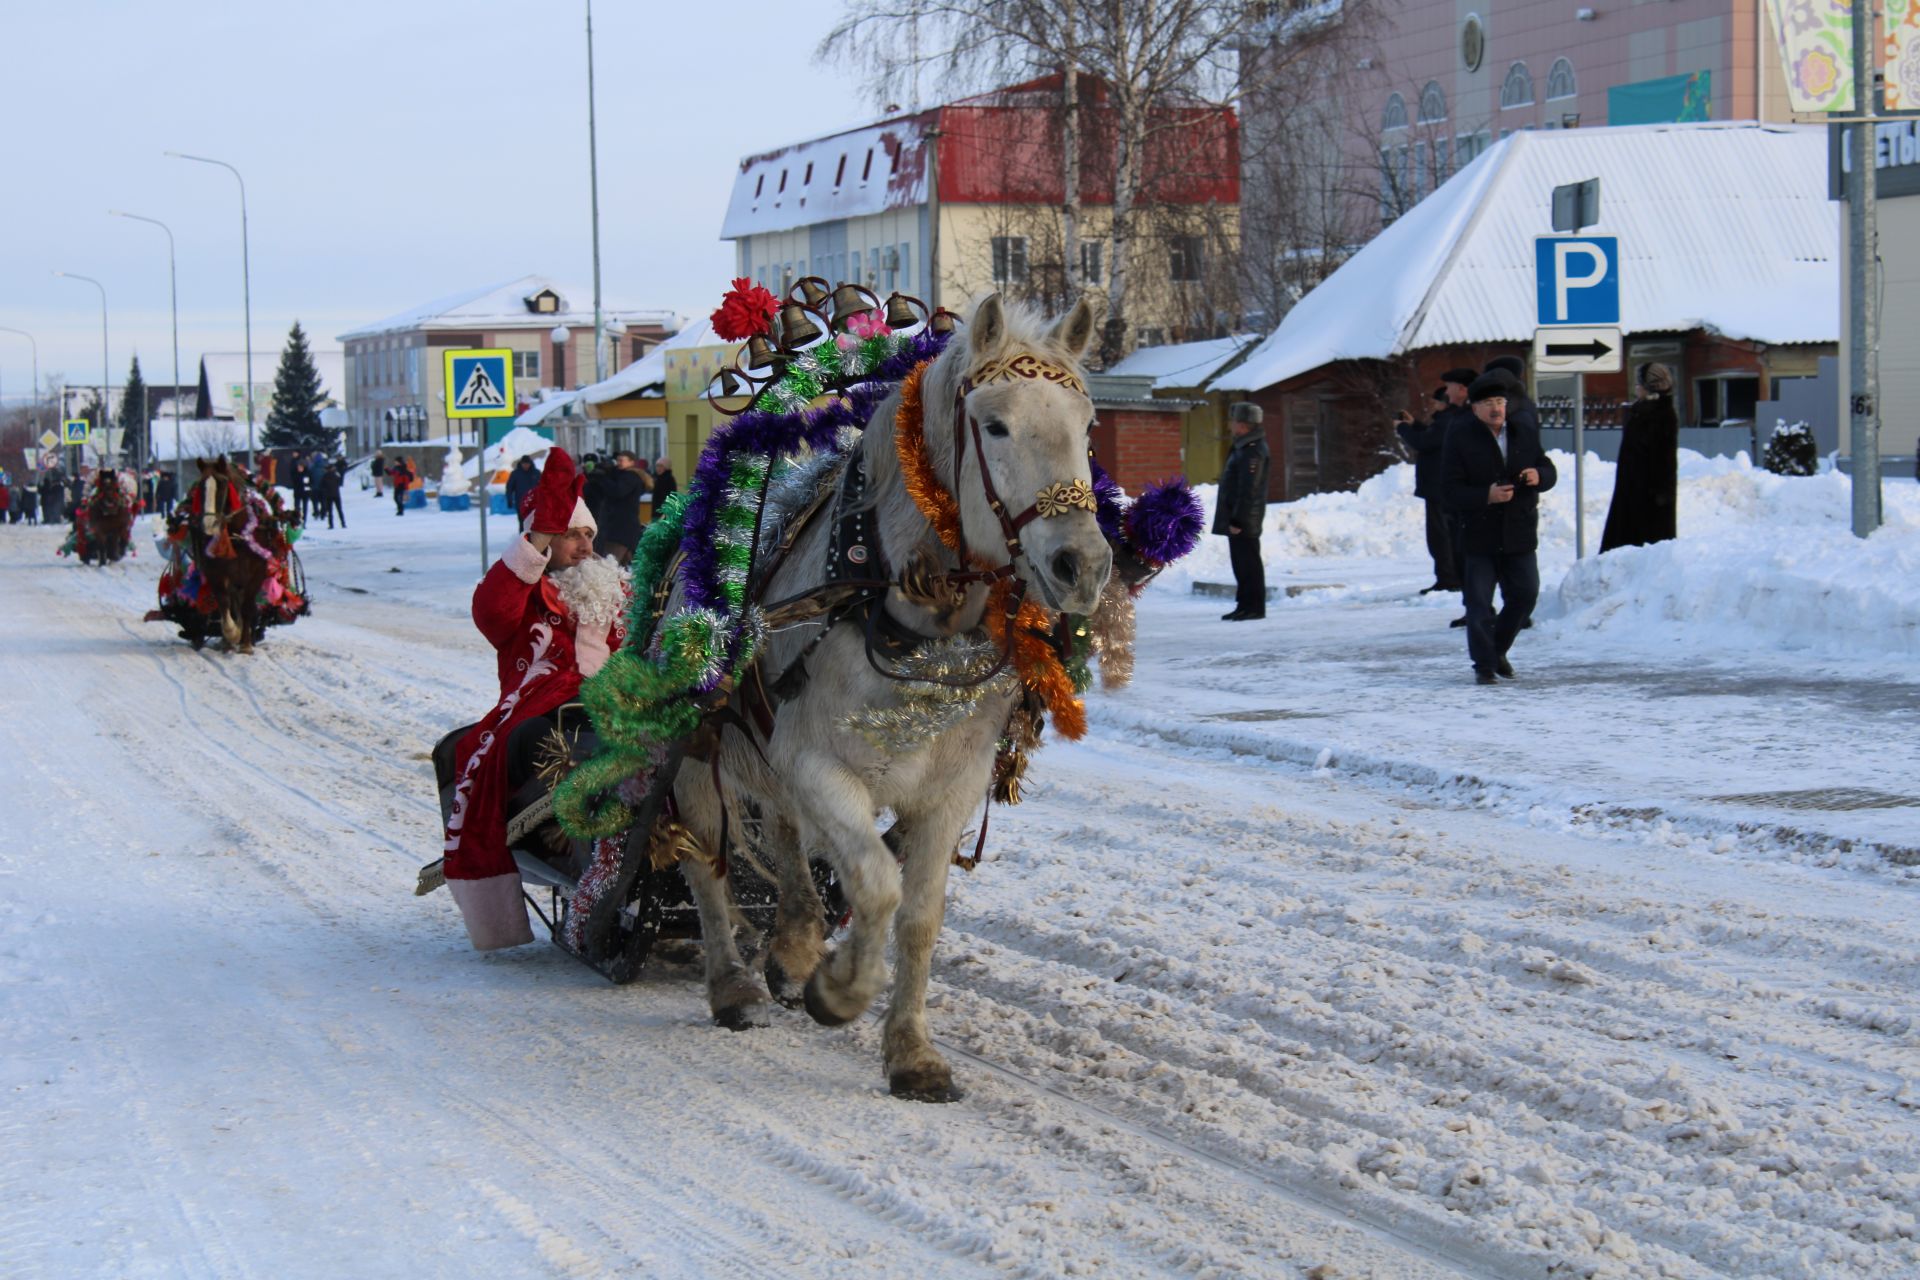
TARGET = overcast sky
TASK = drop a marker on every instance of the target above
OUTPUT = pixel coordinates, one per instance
(395, 151)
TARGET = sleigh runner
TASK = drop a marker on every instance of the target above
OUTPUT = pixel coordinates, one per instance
(887, 575)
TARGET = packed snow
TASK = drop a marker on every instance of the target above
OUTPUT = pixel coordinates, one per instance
(1312, 960)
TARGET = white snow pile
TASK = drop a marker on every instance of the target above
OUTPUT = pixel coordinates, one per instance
(1762, 561)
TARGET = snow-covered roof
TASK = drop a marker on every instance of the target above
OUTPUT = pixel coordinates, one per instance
(879, 166)
(228, 369)
(1724, 227)
(504, 306)
(1183, 364)
(547, 407)
(651, 369)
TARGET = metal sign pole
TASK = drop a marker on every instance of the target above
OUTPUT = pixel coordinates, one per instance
(481, 430)
(1579, 466)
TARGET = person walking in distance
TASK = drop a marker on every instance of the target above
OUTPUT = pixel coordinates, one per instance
(1241, 510)
(1428, 441)
(400, 475)
(1647, 480)
(379, 469)
(326, 492)
(664, 485)
(1494, 473)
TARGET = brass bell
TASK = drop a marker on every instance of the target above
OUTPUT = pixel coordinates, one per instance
(900, 313)
(759, 353)
(730, 383)
(943, 321)
(797, 328)
(849, 300)
(813, 291)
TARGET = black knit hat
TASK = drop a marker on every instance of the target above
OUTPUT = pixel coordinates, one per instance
(1464, 377)
(1494, 382)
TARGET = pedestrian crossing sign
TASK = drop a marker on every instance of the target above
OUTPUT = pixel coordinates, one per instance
(480, 383)
(74, 431)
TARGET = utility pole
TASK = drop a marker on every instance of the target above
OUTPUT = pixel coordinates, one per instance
(173, 290)
(1863, 260)
(593, 172)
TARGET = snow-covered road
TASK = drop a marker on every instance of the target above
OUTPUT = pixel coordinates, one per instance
(1251, 986)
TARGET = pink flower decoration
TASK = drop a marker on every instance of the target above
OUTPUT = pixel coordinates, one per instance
(869, 324)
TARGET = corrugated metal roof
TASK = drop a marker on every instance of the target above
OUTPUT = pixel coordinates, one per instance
(1183, 364)
(504, 306)
(1725, 227)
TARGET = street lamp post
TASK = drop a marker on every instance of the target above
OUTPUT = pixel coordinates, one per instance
(593, 172)
(106, 365)
(246, 283)
(173, 289)
(36, 374)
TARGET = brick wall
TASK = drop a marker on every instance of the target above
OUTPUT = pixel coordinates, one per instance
(1139, 446)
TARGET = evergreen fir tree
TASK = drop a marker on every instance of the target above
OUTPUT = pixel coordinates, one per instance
(294, 422)
(1791, 450)
(132, 419)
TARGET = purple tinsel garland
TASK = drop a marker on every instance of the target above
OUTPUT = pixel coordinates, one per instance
(1160, 526)
(770, 434)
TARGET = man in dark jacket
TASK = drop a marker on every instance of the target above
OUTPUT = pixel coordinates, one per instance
(520, 482)
(613, 495)
(1428, 440)
(326, 495)
(1494, 472)
(1241, 510)
(664, 485)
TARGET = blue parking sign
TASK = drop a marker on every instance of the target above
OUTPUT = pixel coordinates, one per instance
(1578, 279)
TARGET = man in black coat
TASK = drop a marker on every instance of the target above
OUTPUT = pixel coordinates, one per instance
(1494, 472)
(613, 495)
(664, 484)
(1241, 510)
(1428, 440)
(520, 482)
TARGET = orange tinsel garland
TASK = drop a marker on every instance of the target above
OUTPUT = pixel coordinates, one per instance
(1034, 656)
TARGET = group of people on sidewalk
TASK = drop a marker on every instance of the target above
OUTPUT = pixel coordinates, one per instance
(1480, 468)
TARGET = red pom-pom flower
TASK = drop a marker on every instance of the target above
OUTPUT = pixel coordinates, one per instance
(745, 312)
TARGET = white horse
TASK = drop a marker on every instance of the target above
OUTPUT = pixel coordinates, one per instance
(819, 787)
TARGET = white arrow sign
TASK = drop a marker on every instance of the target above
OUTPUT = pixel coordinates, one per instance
(1577, 349)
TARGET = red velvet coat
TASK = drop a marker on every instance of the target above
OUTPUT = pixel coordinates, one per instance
(520, 613)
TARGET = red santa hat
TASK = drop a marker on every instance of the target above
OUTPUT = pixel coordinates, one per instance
(580, 519)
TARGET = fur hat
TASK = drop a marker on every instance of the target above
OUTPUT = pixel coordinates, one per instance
(1513, 365)
(1656, 378)
(1494, 382)
(1464, 377)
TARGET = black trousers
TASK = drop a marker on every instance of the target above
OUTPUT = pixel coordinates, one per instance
(333, 506)
(1249, 573)
(1446, 565)
(1490, 635)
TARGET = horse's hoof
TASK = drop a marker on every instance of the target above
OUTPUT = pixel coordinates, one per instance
(788, 992)
(924, 1085)
(741, 1017)
(818, 1010)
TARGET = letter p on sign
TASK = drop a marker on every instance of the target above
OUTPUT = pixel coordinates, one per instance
(1579, 279)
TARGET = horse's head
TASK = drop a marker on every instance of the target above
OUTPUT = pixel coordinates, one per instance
(1023, 409)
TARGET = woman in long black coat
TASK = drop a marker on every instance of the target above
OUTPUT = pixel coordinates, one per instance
(1648, 478)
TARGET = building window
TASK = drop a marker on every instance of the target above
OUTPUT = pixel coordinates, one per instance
(1395, 116)
(1188, 259)
(1009, 259)
(866, 170)
(1726, 398)
(1560, 82)
(1386, 185)
(759, 185)
(1419, 187)
(1150, 337)
(840, 173)
(783, 182)
(413, 370)
(1092, 270)
(1433, 103)
(526, 365)
(1440, 160)
(906, 266)
(807, 177)
(1517, 89)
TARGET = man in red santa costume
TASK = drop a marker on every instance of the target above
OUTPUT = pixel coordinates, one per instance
(553, 611)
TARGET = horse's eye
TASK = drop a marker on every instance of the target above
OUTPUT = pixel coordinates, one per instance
(1090, 425)
(997, 429)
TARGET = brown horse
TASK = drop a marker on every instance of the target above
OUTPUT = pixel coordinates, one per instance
(107, 520)
(223, 514)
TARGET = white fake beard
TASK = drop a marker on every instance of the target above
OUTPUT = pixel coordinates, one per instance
(594, 591)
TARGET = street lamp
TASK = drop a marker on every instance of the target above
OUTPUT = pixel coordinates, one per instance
(106, 365)
(173, 288)
(36, 374)
(246, 283)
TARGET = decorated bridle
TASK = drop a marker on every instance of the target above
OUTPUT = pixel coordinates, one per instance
(1056, 499)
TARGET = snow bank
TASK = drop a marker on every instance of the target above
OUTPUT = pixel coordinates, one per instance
(1762, 560)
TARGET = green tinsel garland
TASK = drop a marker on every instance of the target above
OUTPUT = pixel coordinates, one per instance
(1079, 650)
